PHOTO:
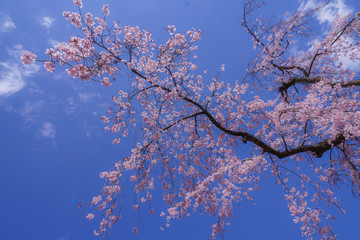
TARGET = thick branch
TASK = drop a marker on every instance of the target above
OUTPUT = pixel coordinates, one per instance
(310, 80)
(281, 68)
(318, 149)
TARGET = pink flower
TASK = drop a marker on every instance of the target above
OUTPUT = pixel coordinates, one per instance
(99, 30)
(89, 20)
(105, 10)
(116, 141)
(105, 119)
(115, 127)
(105, 82)
(103, 174)
(133, 178)
(74, 17)
(172, 211)
(49, 66)
(78, 3)
(196, 36)
(103, 223)
(90, 216)
(222, 68)
(28, 57)
(171, 29)
(96, 200)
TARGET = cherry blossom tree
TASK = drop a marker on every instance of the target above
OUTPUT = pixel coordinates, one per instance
(304, 128)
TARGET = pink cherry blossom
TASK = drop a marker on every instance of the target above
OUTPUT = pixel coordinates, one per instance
(28, 57)
(78, 3)
(105, 10)
(98, 30)
(90, 216)
(89, 20)
(49, 66)
(222, 68)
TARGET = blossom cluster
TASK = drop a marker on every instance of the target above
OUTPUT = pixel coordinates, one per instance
(191, 122)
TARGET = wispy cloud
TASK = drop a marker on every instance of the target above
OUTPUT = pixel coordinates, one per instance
(10, 79)
(53, 42)
(351, 60)
(327, 13)
(326, 16)
(32, 110)
(6, 23)
(12, 72)
(48, 130)
(66, 237)
(34, 89)
(71, 105)
(86, 97)
(47, 21)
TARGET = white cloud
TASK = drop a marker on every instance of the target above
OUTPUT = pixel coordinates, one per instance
(48, 130)
(16, 51)
(88, 133)
(6, 23)
(86, 97)
(66, 237)
(327, 13)
(348, 63)
(12, 72)
(307, 5)
(35, 89)
(11, 80)
(71, 105)
(53, 42)
(32, 110)
(29, 70)
(46, 21)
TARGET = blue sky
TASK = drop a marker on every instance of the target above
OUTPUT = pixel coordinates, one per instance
(52, 144)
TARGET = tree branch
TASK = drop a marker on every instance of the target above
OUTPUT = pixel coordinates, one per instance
(310, 80)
